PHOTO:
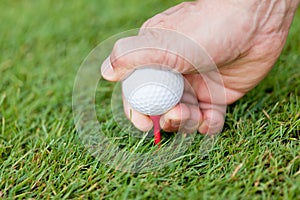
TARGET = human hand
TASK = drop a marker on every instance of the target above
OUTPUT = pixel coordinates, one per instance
(242, 39)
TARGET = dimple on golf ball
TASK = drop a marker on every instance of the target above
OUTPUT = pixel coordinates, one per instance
(153, 91)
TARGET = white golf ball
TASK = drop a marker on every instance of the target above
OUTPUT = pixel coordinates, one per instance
(153, 91)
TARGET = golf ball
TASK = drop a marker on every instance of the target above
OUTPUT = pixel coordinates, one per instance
(153, 91)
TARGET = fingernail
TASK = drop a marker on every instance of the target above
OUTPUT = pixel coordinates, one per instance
(203, 127)
(107, 69)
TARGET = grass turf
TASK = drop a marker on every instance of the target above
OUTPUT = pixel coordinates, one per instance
(41, 156)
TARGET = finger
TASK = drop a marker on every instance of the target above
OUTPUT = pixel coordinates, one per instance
(107, 70)
(138, 51)
(208, 87)
(183, 117)
(191, 125)
(155, 49)
(213, 118)
(127, 54)
(172, 120)
(139, 120)
(186, 116)
(189, 96)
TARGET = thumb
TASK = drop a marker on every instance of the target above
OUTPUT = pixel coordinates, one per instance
(129, 54)
(152, 47)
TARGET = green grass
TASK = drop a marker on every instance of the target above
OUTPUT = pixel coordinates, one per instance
(42, 46)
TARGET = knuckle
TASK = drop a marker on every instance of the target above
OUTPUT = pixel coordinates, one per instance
(186, 5)
(158, 21)
(120, 62)
(182, 4)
